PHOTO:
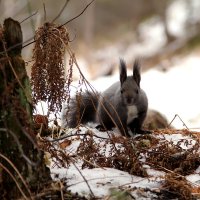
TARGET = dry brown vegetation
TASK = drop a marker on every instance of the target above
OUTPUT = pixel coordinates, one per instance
(48, 77)
(123, 153)
(126, 154)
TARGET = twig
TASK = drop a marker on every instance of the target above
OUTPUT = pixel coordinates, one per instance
(16, 170)
(77, 15)
(61, 190)
(176, 115)
(18, 44)
(29, 17)
(17, 184)
(32, 38)
(99, 178)
(73, 135)
(61, 11)
(84, 179)
(45, 14)
(87, 161)
(30, 10)
(71, 40)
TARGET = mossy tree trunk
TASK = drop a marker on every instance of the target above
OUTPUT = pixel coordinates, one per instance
(17, 140)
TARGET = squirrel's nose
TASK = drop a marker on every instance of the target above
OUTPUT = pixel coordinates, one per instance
(129, 100)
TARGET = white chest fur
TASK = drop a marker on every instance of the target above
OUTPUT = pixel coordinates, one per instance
(132, 113)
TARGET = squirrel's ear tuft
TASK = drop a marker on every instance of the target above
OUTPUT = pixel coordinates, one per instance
(136, 72)
(123, 72)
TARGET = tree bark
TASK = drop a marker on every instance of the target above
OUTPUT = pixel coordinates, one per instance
(18, 147)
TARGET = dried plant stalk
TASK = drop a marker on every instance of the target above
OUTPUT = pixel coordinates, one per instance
(47, 76)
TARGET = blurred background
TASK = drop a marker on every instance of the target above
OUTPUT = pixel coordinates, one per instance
(165, 35)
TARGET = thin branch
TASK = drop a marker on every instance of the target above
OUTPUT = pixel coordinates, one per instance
(25, 44)
(45, 13)
(30, 10)
(61, 190)
(76, 134)
(18, 44)
(84, 179)
(77, 15)
(32, 38)
(61, 11)
(175, 116)
(100, 178)
(29, 17)
(16, 170)
(87, 161)
(17, 184)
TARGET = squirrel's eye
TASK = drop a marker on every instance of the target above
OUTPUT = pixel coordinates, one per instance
(122, 91)
(137, 91)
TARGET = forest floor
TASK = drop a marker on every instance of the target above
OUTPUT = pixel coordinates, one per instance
(105, 165)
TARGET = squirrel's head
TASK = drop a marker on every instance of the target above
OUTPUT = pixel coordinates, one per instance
(130, 86)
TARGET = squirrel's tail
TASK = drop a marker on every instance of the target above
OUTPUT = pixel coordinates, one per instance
(82, 109)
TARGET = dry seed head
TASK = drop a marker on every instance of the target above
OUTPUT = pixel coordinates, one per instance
(47, 75)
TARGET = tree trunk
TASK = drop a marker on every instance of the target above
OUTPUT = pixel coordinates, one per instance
(18, 148)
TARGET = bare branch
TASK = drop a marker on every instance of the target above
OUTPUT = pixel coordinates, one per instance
(61, 11)
(84, 179)
(45, 13)
(32, 38)
(29, 17)
(176, 115)
(76, 134)
(18, 173)
(17, 184)
(78, 14)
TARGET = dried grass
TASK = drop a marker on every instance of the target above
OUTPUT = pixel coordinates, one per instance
(126, 154)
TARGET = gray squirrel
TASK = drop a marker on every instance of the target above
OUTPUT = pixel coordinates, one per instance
(123, 105)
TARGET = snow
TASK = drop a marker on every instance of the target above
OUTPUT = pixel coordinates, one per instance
(194, 179)
(177, 14)
(101, 181)
(176, 91)
(179, 138)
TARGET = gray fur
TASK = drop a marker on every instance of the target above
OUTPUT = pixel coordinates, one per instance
(123, 105)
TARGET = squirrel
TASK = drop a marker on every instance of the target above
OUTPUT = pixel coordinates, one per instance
(123, 105)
